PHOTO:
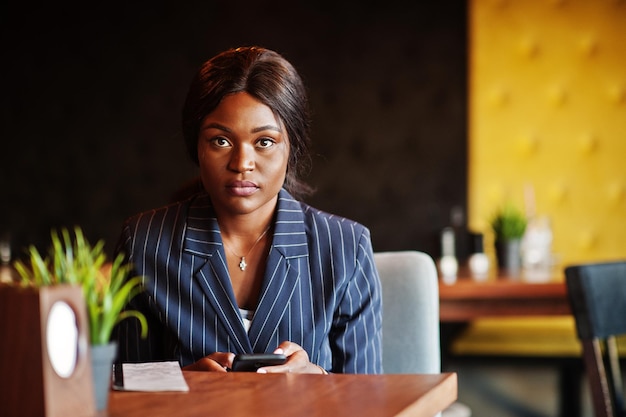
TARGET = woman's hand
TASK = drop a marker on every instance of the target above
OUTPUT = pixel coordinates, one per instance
(215, 362)
(297, 361)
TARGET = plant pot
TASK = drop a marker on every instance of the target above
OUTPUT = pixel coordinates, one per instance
(508, 254)
(102, 357)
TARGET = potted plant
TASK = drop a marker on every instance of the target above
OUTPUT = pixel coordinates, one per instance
(509, 225)
(106, 290)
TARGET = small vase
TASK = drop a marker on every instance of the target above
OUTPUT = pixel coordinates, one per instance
(508, 253)
(102, 357)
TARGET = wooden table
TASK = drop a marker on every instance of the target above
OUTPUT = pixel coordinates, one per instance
(251, 394)
(467, 300)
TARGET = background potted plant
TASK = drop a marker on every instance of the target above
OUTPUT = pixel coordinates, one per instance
(509, 225)
(105, 287)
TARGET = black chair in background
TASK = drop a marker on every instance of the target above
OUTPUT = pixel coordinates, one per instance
(597, 294)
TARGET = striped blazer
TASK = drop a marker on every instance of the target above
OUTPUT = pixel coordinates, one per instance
(321, 288)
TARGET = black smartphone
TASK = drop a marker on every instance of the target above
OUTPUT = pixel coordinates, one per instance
(250, 362)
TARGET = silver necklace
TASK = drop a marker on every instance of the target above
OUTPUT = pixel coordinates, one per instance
(242, 258)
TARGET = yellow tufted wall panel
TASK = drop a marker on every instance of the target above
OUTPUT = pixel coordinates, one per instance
(548, 110)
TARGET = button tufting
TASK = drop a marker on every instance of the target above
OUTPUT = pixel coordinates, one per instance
(547, 100)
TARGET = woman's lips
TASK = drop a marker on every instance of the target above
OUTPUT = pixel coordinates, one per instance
(242, 188)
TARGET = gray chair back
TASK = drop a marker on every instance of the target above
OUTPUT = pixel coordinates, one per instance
(411, 341)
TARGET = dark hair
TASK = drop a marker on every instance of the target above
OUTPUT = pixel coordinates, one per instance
(271, 79)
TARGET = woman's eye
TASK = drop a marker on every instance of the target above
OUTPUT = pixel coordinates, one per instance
(265, 142)
(220, 142)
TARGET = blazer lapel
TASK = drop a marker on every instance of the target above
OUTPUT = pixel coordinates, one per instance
(203, 242)
(282, 274)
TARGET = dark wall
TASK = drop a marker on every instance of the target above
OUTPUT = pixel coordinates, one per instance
(91, 99)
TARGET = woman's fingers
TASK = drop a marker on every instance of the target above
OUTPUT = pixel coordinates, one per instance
(297, 361)
(215, 362)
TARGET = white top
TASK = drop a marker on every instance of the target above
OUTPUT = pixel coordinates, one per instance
(246, 316)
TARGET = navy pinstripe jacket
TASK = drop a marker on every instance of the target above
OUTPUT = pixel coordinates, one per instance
(321, 288)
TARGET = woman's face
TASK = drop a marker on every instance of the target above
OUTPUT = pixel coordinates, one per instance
(243, 151)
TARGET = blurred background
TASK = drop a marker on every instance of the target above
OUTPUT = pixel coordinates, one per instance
(425, 115)
(92, 96)
(547, 119)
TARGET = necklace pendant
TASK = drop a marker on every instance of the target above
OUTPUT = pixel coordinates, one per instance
(242, 263)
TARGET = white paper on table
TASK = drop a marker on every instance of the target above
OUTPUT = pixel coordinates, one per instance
(151, 376)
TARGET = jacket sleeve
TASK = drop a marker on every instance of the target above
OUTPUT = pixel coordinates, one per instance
(160, 343)
(356, 336)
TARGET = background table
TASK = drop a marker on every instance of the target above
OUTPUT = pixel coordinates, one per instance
(467, 299)
(503, 296)
(251, 394)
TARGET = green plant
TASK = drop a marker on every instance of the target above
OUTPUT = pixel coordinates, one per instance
(508, 223)
(77, 262)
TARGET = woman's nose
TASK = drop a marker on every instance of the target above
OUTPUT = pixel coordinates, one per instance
(242, 159)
